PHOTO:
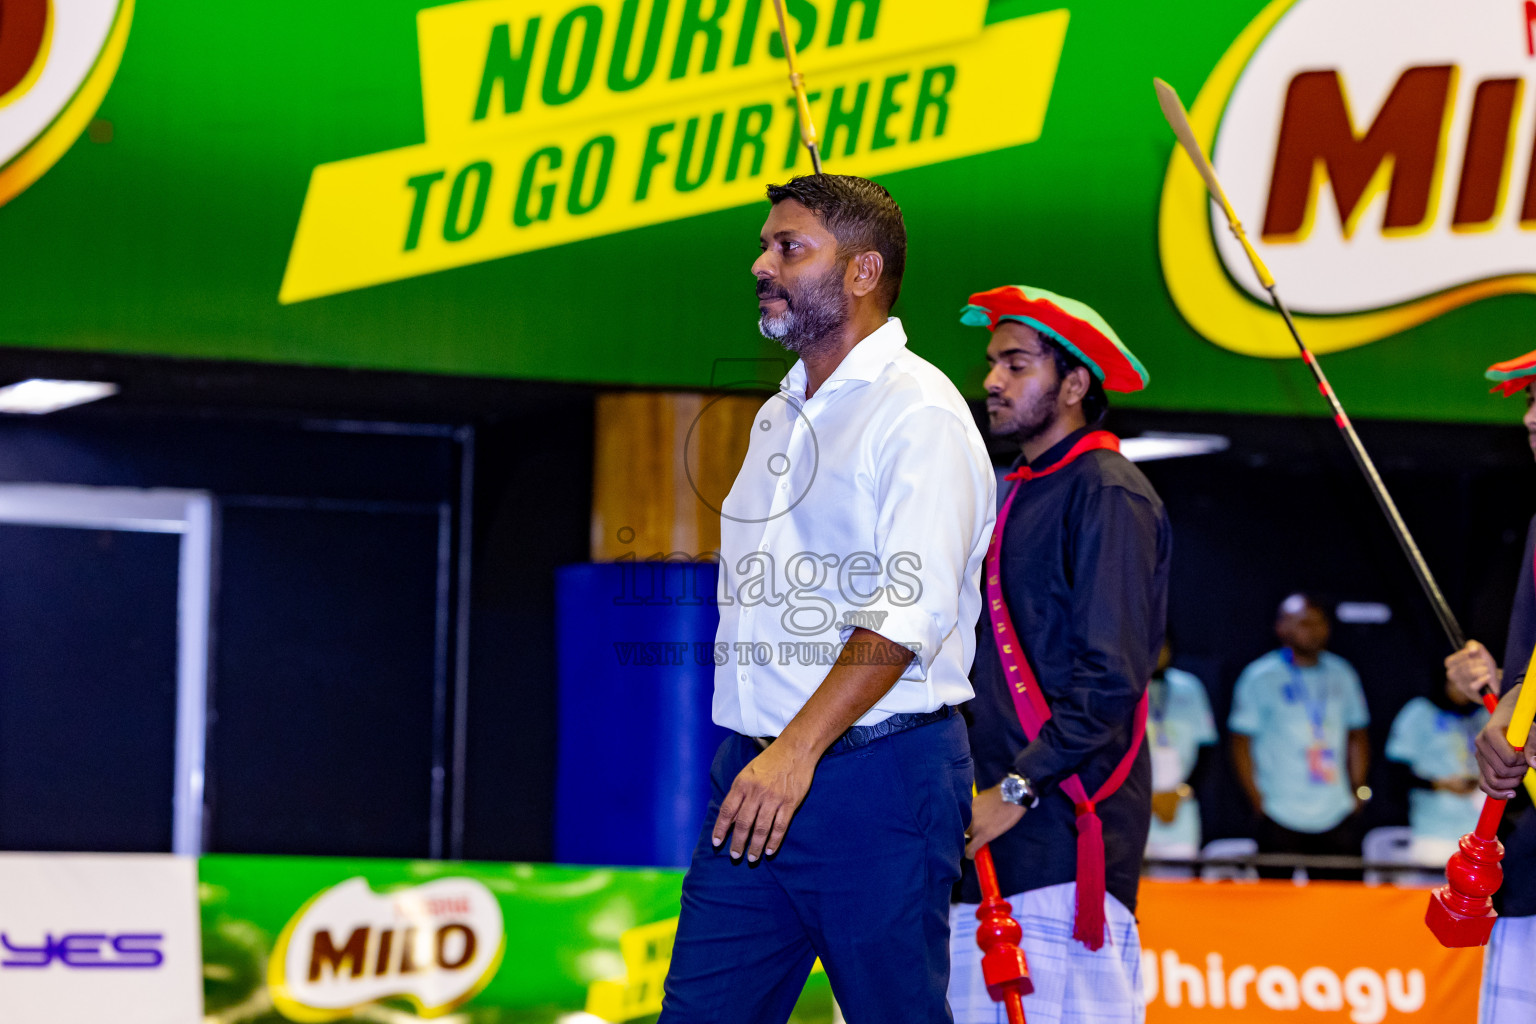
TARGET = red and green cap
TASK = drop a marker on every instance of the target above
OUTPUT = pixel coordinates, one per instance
(1069, 323)
(1512, 375)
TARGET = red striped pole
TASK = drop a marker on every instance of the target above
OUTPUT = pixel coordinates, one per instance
(1178, 120)
(1383, 497)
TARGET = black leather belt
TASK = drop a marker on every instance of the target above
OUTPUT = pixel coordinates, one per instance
(863, 735)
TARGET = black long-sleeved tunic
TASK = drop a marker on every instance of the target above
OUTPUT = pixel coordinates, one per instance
(1517, 897)
(1085, 576)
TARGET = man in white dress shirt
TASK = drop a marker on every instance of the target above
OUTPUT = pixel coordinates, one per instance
(851, 552)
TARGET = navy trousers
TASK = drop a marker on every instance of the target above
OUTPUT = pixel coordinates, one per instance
(862, 880)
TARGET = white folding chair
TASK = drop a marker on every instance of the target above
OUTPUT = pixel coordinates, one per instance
(1219, 849)
(1393, 844)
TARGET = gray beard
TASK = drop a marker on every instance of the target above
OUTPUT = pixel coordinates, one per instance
(814, 320)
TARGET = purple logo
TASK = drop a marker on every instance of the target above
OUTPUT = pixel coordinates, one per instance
(86, 951)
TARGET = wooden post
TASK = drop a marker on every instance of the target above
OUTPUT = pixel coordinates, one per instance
(663, 464)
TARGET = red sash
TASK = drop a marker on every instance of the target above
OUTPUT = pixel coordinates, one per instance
(1089, 925)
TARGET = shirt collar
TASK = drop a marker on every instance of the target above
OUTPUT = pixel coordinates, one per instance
(1054, 453)
(865, 361)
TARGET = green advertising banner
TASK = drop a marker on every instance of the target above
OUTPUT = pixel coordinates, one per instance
(296, 939)
(311, 940)
(572, 189)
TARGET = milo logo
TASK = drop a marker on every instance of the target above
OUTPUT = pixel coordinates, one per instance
(57, 59)
(435, 945)
(23, 30)
(1386, 153)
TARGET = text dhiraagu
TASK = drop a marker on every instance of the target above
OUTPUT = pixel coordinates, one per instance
(549, 122)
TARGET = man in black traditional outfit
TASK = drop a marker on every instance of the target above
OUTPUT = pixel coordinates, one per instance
(1075, 592)
(1509, 984)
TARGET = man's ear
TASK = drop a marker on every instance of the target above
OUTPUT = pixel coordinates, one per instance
(1074, 387)
(864, 272)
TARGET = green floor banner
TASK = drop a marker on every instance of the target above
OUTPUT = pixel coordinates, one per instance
(311, 940)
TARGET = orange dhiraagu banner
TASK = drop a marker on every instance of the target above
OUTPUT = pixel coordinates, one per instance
(1274, 951)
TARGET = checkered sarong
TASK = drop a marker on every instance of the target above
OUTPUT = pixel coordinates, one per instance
(1073, 985)
(1509, 980)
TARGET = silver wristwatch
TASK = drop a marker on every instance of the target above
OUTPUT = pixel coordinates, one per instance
(1016, 790)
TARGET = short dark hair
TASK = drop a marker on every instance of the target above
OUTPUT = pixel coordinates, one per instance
(1307, 600)
(1095, 402)
(861, 215)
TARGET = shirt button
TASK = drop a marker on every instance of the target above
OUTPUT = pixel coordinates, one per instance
(743, 677)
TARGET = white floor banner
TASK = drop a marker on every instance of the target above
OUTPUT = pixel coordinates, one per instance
(99, 937)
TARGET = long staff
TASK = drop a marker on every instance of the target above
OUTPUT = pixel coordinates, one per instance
(1461, 911)
(797, 83)
(1178, 120)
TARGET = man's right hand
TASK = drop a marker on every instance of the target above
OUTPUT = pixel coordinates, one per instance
(1503, 767)
(763, 799)
(1471, 669)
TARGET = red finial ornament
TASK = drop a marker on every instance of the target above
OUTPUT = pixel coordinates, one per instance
(1460, 912)
(1002, 960)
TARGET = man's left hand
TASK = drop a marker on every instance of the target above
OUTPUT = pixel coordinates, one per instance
(1503, 766)
(991, 816)
(763, 799)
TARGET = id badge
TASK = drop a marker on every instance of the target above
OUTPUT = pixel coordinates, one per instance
(1321, 764)
(1167, 768)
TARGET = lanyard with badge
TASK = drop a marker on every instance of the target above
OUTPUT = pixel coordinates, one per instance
(1463, 750)
(1322, 761)
(1466, 728)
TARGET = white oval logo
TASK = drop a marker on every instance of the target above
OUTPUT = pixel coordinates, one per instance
(436, 944)
(57, 59)
(1382, 155)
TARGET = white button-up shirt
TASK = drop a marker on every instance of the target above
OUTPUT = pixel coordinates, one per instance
(869, 504)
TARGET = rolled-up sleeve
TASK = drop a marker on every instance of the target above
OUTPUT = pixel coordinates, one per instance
(935, 497)
(1119, 603)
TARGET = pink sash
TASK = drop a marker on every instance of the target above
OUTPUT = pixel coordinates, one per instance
(1029, 702)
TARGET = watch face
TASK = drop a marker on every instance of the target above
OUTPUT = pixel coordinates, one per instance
(1013, 790)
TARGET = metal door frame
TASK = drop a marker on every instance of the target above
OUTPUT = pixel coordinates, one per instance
(133, 510)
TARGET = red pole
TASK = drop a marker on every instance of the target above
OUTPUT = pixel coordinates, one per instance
(1461, 911)
(1002, 961)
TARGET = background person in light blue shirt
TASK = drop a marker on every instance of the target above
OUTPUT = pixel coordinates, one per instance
(1179, 724)
(1299, 742)
(1436, 739)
